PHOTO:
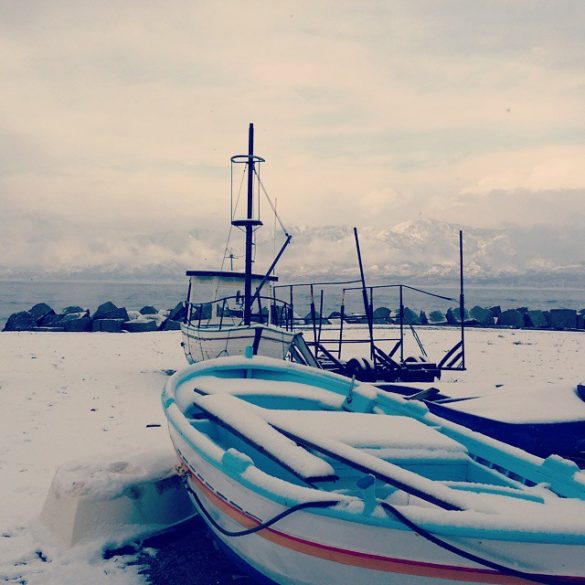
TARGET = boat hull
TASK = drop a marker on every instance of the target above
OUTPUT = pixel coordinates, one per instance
(345, 552)
(202, 343)
(564, 438)
(336, 533)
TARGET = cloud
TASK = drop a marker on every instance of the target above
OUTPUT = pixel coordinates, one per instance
(122, 116)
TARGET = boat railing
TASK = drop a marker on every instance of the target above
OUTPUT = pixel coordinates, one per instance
(229, 312)
(386, 334)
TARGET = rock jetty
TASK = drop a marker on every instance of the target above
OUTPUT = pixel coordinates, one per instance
(520, 318)
(107, 318)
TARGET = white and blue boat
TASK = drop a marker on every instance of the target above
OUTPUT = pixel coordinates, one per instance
(307, 477)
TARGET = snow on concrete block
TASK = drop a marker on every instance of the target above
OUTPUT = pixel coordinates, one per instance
(511, 318)
(483, 317)
(536, 319)
(22, 321)
(563, 318)
(116, 500)
(437, 318)
(41, 310)
(140, 326)
(108, 325)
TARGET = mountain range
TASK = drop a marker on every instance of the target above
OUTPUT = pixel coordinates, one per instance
(419, 250)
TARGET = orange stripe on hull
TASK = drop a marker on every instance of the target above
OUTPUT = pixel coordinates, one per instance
(359, 559)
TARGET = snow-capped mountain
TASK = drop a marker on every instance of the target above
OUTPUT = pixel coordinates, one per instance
(422, 249)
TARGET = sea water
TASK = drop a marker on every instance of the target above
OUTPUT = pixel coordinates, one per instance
(22, 295)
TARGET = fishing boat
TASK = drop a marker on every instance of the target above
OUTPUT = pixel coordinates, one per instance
(307, 477)
(538, 417)
(228, 311)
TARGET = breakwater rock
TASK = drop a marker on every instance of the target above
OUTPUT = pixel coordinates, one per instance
(520, 318)
(107, 318)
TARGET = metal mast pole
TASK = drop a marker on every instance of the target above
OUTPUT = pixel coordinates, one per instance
(367, 306)
(461, 300)
(249, 229)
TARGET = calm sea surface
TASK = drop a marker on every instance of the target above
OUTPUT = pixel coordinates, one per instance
(22, 295)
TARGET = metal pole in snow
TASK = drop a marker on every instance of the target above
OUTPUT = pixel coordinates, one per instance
(461, 299)
(365, 293)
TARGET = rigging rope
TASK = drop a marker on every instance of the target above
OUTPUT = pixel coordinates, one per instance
(233, 211)
(271, 204)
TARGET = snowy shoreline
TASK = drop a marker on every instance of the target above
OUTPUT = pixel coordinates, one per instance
(77, 395)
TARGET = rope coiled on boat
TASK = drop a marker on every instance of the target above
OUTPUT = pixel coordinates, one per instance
(509, 571)
(262, 525)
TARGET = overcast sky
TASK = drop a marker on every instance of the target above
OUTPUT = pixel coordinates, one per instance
(369, 113)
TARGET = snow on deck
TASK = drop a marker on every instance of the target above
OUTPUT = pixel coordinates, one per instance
(244, 419)
(527, 403)
(369, 430)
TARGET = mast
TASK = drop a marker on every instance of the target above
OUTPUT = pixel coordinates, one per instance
(249, 229)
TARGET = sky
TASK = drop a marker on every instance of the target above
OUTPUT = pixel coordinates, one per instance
(120, 116)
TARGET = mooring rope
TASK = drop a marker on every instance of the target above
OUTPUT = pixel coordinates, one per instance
(262, 525)
(535, 578)
(391, 511)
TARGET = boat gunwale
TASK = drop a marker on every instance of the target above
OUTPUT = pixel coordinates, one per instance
(187, 328)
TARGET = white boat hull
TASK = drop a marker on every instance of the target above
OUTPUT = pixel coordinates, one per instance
(205, 343)
(487, 538)
(354, 553)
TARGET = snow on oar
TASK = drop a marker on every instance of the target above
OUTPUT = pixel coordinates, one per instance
(242, 418)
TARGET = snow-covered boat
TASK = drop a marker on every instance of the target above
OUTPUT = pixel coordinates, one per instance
(240, 313)
(218, 328)
(543, 418)
(307, 477)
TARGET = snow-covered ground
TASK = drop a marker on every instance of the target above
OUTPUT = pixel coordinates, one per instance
(72, 396)
(69, 396)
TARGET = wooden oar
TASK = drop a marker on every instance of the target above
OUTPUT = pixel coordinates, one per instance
(238, 417)
(400, 478)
